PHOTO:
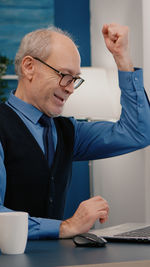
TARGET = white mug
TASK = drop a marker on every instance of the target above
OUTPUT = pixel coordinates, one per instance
(13, 232)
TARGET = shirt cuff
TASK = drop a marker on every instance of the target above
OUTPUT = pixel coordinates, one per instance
(131, 80)
(49, 229)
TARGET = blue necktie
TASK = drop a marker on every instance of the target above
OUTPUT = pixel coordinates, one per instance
(45, 121)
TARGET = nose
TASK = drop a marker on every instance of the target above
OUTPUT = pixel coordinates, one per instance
(69, 89)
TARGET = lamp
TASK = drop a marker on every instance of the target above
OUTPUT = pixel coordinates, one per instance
(97, 98)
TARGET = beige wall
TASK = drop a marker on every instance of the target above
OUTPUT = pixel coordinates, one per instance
(146, 67)
(128, 12)
(124, 180)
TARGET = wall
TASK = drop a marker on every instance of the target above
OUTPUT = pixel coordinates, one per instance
(146, 57)
(128, 13)
(16, 19)
(74, 17)
(19, 18)
(124, 180)
(121, 180)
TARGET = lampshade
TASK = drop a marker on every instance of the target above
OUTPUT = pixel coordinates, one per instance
(97, 98)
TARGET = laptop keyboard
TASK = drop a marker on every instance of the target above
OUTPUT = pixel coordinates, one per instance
(142, 232)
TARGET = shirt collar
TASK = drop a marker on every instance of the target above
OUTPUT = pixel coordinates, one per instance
(29, 111)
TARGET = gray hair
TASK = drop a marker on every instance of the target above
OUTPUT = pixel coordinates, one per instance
(36, 44)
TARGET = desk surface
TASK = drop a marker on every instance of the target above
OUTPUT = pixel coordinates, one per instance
(64, 252)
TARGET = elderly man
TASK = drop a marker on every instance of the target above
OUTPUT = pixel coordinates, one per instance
(37, 145)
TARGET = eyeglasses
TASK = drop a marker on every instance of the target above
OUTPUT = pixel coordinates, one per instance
(66, 79)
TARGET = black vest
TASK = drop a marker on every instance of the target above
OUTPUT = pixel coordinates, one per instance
(31, 185)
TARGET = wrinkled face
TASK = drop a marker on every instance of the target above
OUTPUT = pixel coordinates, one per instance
(45, 93)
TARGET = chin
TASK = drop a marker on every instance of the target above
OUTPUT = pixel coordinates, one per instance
(54, 114)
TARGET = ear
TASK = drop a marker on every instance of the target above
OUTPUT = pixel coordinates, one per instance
(28, 67)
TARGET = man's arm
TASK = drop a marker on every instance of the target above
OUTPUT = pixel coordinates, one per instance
(41, 228)
(108, 138)
(116, 40)
(104, 139)
(95, 208)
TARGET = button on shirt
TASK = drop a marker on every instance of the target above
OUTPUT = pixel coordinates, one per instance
(93, 140)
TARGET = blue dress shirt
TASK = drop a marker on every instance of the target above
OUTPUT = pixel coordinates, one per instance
(93, 140)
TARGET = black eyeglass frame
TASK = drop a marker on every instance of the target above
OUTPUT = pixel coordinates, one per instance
(74, 78)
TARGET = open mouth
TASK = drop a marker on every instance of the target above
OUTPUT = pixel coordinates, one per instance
(60, 99)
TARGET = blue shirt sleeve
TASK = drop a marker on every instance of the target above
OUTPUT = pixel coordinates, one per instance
(103, 139)
(95, 140)
(40, 228)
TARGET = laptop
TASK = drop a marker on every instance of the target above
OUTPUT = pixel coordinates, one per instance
(128, 232)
